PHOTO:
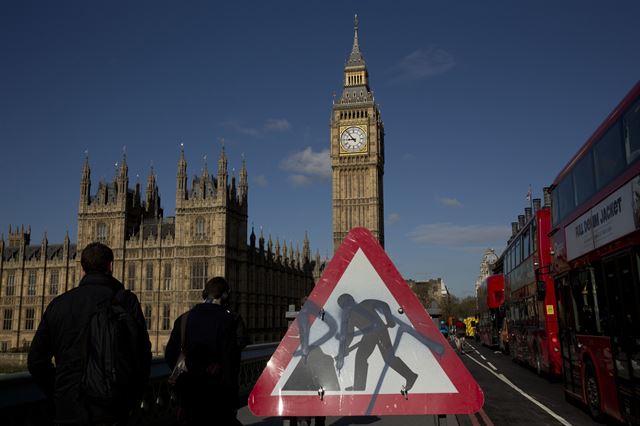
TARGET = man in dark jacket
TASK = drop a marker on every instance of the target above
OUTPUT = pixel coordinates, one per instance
(208, 391)
(62, 335)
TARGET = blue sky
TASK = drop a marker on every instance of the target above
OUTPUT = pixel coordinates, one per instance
(479, 100)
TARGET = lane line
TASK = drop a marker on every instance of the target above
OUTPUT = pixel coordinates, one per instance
(492, 366)
(523, 393)
(487, 420)
(482, 356)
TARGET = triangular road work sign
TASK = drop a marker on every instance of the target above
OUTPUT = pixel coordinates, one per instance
(363, 344)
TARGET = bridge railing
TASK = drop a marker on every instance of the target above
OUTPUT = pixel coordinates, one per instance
(22, 402)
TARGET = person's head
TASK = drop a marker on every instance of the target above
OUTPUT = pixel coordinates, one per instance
(345, 300)
(216, 289)
(96, 257)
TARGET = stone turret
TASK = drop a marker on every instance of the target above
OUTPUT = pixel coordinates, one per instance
(20, 237)
(243, 186)
(85, 182)
(222, 176)
(181, 178)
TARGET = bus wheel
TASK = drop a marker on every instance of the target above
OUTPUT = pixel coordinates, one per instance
(592, 392)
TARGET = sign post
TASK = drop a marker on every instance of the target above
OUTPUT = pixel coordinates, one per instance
(363, 344)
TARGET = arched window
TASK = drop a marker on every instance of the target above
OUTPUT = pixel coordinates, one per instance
(167, 276)
(149, 280)
(200, 227)
(101, 232)
(198, 273)
(131, 277)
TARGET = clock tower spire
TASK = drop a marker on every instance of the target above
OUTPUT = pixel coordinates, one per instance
(357, 152)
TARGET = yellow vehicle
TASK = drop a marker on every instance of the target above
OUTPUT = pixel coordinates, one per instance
(470, 322)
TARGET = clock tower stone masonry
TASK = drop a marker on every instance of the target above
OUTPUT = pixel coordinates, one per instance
(357, 153)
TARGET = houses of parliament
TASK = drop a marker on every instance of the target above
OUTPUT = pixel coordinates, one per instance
(167, 260)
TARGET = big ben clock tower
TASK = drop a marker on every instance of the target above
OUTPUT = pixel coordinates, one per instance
(357, 153)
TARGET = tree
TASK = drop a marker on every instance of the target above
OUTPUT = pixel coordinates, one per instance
(465, 307)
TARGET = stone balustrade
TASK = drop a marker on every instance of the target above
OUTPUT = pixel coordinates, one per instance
(22, 402)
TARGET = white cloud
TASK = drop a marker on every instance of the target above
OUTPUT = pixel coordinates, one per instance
(448, 234)
(277, 125)
(261, 181)
(240, 128)
(423, 63)
(299, 180)
(450, 202)
(393, 218)
(308, 163)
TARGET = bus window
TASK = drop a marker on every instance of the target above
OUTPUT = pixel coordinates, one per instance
(555, 211)
(629, 296)
(632, 133)
(608, 156)
(531, 310)
(587, 321)
(526, 243)
(566, 197)
(584, 179)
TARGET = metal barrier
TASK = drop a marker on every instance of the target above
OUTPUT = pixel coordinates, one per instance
(22, 402)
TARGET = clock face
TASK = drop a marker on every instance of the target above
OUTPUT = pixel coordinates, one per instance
(353, 139)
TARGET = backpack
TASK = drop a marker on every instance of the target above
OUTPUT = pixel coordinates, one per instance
(113, 371)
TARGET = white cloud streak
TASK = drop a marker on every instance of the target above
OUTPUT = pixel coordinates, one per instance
(277, 125)
(393, 218)
(449, 234)
(423, 63)
(299, 180)
(309, 164)
(450, 202)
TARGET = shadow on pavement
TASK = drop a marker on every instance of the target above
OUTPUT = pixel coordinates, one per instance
(344, 421)
(267, 421)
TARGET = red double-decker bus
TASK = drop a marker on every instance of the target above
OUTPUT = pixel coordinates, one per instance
(596, 265)
(490, 310)
(530, 301)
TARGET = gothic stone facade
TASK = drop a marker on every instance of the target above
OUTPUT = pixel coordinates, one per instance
(165, 261)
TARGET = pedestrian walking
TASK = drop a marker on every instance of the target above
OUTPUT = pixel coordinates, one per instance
(86, 329)
(208, 390)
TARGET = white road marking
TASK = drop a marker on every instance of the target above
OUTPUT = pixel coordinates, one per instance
(482, 356)
(497, 352)
(492, 366)
(523, 393)
(478, 352)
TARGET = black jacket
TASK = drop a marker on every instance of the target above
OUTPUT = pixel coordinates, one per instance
(212, 356)
(210, 338)
(60, 335)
